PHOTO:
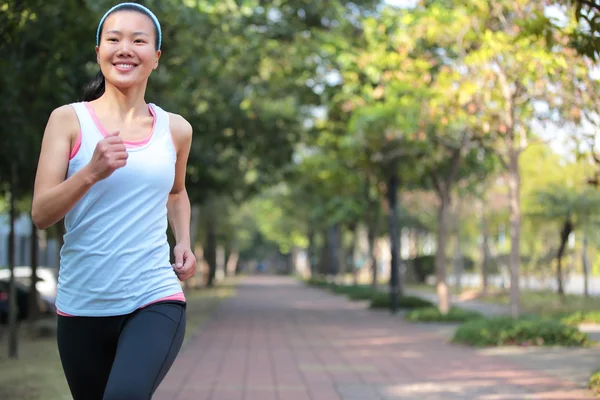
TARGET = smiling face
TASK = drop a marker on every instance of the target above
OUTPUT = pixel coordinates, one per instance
(127, 49)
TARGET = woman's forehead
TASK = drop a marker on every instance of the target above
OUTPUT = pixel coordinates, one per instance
(126, 19)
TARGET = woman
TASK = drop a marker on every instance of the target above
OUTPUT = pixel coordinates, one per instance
(114, 168)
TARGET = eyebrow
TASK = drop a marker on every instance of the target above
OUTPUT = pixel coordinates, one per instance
(134, 33)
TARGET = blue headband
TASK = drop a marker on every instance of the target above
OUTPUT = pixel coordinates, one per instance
(139, 7)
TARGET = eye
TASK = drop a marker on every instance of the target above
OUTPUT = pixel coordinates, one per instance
(111, 39)
(139, 41)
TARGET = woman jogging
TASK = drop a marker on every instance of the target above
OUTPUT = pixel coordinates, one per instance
(114, 168)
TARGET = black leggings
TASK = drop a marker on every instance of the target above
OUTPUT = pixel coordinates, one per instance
(122, 357)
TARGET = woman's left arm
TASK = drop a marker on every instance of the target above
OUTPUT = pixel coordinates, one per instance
(178, 205)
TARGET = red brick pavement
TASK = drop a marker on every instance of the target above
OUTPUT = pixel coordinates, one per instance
(279, 340)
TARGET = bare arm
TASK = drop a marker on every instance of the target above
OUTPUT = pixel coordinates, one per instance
(178, 205)
(53, 195)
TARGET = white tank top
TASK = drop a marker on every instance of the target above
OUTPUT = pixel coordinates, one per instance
(115, 257)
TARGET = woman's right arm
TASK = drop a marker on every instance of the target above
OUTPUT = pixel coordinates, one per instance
(53, 195)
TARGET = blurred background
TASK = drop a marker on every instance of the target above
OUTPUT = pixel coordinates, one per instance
(441, 146)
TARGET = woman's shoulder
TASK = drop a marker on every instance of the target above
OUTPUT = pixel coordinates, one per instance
(178, 124)
(65, 118)
(65, 113)
(181, 129)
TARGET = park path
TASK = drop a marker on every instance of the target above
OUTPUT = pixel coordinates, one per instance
(280, 340)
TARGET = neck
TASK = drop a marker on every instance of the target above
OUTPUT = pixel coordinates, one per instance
(127, 103)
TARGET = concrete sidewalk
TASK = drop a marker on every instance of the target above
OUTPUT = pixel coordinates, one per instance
(279, 340)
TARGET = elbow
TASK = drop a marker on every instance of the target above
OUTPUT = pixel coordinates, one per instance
(38, 218)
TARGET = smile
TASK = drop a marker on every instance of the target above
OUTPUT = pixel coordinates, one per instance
(124, 67)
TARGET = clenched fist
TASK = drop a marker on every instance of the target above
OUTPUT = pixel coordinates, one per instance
(110, 154)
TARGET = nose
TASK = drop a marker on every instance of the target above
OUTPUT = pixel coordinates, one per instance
(125, 48)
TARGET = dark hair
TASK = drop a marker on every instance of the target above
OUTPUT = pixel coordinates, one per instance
(95, 87)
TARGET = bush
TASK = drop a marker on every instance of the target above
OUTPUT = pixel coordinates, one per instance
(354, 292)
(595, 383)
(363, 294)
(317, 281)
(432, 314)
(382, 300)
(423, 266)
(581, 317)
(359, 292)
(501, 331)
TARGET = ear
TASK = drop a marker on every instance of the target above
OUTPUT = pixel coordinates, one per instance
(158, 54)
(97, 54)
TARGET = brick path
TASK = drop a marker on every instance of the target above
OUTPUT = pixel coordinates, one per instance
(280, 340)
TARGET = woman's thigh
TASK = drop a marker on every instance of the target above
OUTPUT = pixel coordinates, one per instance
(87, 347)
(148, 345)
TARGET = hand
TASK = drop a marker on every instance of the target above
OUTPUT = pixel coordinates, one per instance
(109, 155)
(185, 262)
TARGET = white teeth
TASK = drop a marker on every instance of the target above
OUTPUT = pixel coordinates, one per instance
(125, 66)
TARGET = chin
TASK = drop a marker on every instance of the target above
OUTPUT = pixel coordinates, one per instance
(125, 84)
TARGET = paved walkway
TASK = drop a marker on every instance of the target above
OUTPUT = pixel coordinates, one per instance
(279, 340)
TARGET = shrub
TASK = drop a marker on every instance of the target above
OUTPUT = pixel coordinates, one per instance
(501, 331)
(433, 314)
(317, 281)
(581, 317)
(595, 383)
(358, 292)
(382, 300)
(362, 294)
(423, 266)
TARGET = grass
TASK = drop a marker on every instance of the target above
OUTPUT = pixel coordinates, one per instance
(432, 314)
(423, 287)
(570, 308)
(530, 331)
(594, 383)
(547, 303)
(38, 375)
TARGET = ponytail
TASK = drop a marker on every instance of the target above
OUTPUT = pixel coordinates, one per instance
(95, 88)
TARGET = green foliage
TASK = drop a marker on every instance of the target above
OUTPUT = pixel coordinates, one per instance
(361, 293)
(317, 282)
(382, 300)
(432, 314)
(502, 331)
(354, 292)
(581, 317)
(424, 266)
(594, 383)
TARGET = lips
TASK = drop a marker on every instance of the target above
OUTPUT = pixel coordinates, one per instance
(124, 66)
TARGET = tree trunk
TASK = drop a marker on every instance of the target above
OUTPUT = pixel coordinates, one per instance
(586, 267)
(333, 236)
(221, 272)
(232, 261)
(350, 255)
(565, 232)
(210, 251)
(440, 255)
(459, 263)
(341, 265)
(485, 249)
(34, 309)
(514, 190)
(12, 293)
(372, 254)
(310, 258)
(324, 250)
(194, 218)
(395, 284)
